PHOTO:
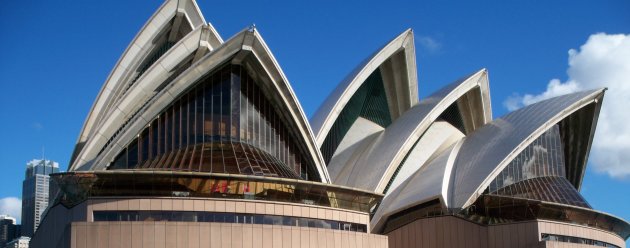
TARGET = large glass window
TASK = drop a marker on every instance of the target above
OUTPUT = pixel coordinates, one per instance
(539, 172)
(224, 124)
(575, 240)
(196, 216)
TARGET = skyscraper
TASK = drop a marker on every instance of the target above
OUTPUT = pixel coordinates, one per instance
(35, 193)
(9, 229)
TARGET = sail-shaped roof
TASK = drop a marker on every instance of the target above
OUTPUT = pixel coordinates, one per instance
(247, 48)
(173, 21)
(378, 91)
(486, 152)
(377, 163)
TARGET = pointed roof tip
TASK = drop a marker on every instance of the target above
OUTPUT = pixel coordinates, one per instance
(407, 33)
(252, 28)
(481, 72)
(484, 71)
(322, 120)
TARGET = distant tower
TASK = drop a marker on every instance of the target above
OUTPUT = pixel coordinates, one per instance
(35, 190)
(9, 229)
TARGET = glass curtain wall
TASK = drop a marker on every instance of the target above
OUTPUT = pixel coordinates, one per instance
(218, 217)
(539, 172)
(369, 102)
(224, 124)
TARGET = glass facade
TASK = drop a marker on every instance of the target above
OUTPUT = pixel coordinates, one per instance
(538, 172)
(35, 193)
(76, 187)
(369, 102)
(550, 189)
(497, 209)
(224, 124)
(8, 230)
(575, 240)
(220, 217)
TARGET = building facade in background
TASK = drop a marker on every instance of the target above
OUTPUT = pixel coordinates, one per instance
(194, 141)
(9, 229)
(21, 242)
(35, 192)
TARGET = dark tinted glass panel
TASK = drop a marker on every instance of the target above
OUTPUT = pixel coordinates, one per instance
(194, 216)
(132, 154)
(120, 162)
(176, 125)
(453, 116)
(575, 240)
(154, 139)
(144, 148)
(369, 102)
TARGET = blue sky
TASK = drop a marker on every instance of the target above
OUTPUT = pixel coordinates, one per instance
(54, 57)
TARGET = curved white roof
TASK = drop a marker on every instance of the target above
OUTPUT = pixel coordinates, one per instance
(487, 151)
(173, 13)
(247, 48)
(428, 183)
(145, 88)
(397, 61)
(375, 166)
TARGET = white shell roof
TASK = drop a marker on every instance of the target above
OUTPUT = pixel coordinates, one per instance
(405, 92)
(132, 57)
(459, 175)
(139, 93)
(428, 183)
(487, 151)
(375, 167)
(246, 42)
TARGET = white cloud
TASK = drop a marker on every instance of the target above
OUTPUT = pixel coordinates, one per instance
(429, 43)
(603, 61)
(11, 206)
(554, 88)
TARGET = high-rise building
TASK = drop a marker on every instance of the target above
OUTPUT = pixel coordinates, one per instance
(35, 191)
(194, 141)
(9, 229)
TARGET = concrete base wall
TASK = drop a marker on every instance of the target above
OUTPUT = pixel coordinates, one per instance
(54, 230)
(449, 231)
(200, 234)
(75, 228)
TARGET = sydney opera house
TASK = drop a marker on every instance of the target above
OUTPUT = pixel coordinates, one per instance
(196, 141)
